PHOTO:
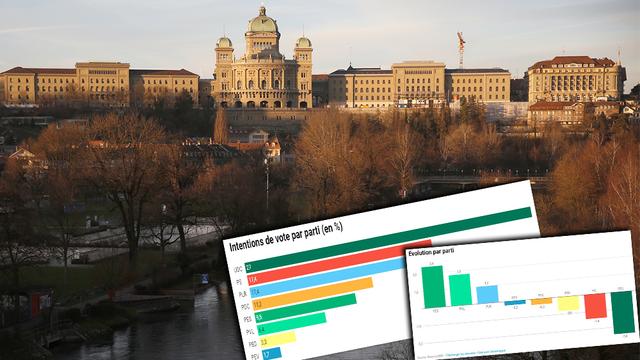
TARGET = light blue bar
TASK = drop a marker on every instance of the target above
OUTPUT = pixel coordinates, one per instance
(273, 353)
(487, 294)
(515, 302)
(327, 278)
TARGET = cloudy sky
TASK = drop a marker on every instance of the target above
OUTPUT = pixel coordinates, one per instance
(512, 34)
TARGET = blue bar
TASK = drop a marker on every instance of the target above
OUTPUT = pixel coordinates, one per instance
(515, 302)
(487, 294)
(328, 277)
(273, 353)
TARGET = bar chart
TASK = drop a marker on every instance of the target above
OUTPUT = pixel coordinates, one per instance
(307, 297)
(524, 295)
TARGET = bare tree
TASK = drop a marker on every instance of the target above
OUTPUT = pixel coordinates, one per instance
(162, 230)
(180, 192)
(328, 170)
(123, 162)
(402, 156)
(59, 148)
(221, 127)
(19, 245)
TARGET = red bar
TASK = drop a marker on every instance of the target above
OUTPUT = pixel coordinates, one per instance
(334, 263)
(596, 306)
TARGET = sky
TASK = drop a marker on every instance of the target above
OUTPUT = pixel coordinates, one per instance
(174, 34)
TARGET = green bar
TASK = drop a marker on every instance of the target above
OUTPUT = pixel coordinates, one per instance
(622, 312)
(460, 289)
(390, 239)
(290, 324)
(305, 308)
(433, 287)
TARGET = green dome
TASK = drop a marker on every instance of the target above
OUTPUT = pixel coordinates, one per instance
(262, 23)
(303, 42)
(224, 42)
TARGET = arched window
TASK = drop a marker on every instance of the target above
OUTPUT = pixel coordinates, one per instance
(263, 104)
(277, 104)
(303, 104)
(239, 85)
(250, 84)
(263, 84)
(251, 104)
(276, 84)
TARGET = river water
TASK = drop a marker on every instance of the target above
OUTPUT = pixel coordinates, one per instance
(209, 330)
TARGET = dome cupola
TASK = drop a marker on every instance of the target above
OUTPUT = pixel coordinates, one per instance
(303, 42)
(262, 23)
(224, 42)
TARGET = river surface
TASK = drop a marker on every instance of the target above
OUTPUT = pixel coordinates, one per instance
(208, 330)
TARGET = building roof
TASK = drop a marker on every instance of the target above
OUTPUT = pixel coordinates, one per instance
(551, 105)
(303, 42)
(558, 60)
(320, 77)
(608, 103)
(362, 71)
(55, 71)
(224, 42)
(161, 72)
(262, 23)
(476, 71)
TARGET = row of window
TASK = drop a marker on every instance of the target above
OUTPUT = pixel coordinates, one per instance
(476, 80)
(417, 88)
(576, 97)
(372, 90)
(25, 80)
(55, 81)
(458, 97)
(420, 80)
(167, 82)
(480, 89)
(164, 89)
(263, 85)
(373, 98)
(571, 87)
(418, 72)
(377, 81)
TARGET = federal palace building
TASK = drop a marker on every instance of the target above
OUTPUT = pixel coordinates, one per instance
(263, 78)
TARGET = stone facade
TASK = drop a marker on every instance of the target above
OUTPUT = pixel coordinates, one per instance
(418, 82)
(361, 88)
(484, 85)
(150, 85)
(111, 84)
(576, 78)
(415, 84)
(263, 77)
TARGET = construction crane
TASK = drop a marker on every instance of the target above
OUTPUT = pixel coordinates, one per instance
(461, 43)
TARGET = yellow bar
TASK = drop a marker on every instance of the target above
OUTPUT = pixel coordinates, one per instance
(278, 339)
(541, 301)
(568, 303)
(310, 294)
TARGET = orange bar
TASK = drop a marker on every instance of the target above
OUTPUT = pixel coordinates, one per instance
(310, 294)
(542, 301)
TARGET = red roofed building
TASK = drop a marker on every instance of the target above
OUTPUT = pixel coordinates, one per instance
(567, 113)
(576, 78)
